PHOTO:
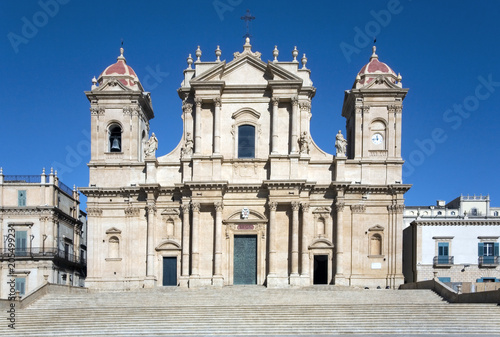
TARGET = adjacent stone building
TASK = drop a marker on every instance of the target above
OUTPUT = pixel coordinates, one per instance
(43, 231)
(246, 197)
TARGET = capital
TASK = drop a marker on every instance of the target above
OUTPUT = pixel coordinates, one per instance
(196, 207)
(273, 205)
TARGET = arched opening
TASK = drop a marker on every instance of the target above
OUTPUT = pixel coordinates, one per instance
(246, 141)
(114, 247)
(376, 244)
(115, 138)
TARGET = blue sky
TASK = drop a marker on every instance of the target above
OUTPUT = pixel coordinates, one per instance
(447, 52)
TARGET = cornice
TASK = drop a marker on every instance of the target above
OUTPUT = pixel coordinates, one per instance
(457, 222)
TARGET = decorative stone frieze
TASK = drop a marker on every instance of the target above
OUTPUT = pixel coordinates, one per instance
(359, 208)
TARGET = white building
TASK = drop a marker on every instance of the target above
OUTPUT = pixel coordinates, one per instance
(459, 241)
(43, 231)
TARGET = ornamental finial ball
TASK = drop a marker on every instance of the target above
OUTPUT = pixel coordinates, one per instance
(304, 61)
(198, 54)
(276, 53)
(218, 53)
(295, 53)
(189, 61)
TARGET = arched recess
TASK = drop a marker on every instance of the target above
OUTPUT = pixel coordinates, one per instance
(114, 135)
(378, 127)
(113, 240)
(376, 241)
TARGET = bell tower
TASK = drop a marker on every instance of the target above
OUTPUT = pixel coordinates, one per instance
(373, 110)
(120, 113)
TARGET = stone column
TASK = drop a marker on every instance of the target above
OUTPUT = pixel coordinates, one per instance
(295, 238)
(197, 126)
(217, 104)
(294, 134)
(185, 240)
(151, 209)
(274, 147)
(272, 237)
(195, 258)
(304, 265)
(218, 280)
(339, 250)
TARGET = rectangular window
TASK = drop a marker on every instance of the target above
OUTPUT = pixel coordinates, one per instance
(21, 285)
(21, 198)
(488, 251)
(21, 243)
(246, 141)
(443, 252)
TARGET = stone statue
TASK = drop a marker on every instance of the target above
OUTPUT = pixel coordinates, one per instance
(151, 146)
(304, 143)
(340, 144)
(187, 150)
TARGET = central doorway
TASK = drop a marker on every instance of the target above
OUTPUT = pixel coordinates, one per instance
(245, 259)
(320, 269)
(169, 271)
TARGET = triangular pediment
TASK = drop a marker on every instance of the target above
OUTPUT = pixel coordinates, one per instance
(380, 82)
(376, 228)
(246, 70)
(113, 84)
(113, 230)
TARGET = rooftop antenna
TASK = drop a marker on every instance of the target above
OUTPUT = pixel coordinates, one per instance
(248, 17)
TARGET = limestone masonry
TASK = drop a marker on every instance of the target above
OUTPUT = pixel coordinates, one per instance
(246, 197)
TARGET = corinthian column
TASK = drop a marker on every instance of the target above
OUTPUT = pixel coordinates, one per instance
(274, 147)
(217, 104)
(195, 258)
(295, 238)
(272, 237)
(185, 240)
(197, 126)
(218, 238)
(304, 266)
(151, 209)
(294, 135)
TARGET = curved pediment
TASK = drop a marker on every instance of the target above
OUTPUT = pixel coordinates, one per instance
(246, 112)
(168, 245)
(321, 243)
(253, 216)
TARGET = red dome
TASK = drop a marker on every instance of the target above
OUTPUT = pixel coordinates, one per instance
(373, 69)
(122, 72)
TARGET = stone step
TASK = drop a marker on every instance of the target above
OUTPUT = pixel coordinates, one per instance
(234, 311)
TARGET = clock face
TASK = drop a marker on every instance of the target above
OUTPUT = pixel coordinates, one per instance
(377, 139)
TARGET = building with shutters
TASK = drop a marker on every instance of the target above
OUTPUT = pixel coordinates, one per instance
(246, 197)
(457, 242)
(43, 233)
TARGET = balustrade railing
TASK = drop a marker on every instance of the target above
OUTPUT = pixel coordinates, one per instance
(40, 252)
(489, 260)
(443, 260)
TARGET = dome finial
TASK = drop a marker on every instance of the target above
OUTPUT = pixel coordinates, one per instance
(374, 55)
(121, 57)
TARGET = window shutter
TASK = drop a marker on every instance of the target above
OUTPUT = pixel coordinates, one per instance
(480, 249)
(496, 249)
(479, 280)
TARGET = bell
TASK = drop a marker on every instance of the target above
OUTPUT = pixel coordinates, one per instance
(115, 146)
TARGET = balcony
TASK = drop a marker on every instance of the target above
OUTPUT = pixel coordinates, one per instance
(489, 261)
(37, 253)
(443, 261)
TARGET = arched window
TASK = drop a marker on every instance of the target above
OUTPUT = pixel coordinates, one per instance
(114, 247)
(246, 141)
(440, 213)
(473, 211)
(495, 213)
(115, 138)
(376, 244)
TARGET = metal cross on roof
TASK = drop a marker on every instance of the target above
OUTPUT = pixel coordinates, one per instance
(248, 17)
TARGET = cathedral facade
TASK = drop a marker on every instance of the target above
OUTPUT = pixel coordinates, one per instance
(246, 197)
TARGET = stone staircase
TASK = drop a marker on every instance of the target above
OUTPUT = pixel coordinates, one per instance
(252, 310)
